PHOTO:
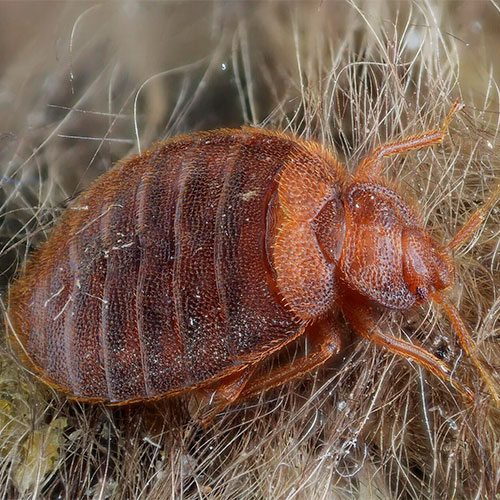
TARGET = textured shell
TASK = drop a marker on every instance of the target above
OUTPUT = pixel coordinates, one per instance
(158, 278)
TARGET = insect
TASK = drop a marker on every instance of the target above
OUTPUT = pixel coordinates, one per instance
(186, 266)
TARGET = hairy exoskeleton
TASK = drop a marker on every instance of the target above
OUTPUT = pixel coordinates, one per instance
(191, 263)
(365, 250)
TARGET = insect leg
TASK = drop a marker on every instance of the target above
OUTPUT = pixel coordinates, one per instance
(363, 323)
(325, 334)
(227, 392)
(465, 338)
(371, 167)
(230, 387)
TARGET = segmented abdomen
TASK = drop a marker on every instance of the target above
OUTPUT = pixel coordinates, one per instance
(157, 279)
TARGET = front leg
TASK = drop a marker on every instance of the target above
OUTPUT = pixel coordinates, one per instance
(372, 166)
(361, 320)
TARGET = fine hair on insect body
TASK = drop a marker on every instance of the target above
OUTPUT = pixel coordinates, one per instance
(195, 261)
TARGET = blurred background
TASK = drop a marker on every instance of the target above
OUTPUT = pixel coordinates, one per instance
(85, 84)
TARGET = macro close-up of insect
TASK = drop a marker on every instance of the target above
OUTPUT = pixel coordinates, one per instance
(187, 265)
(250, 250)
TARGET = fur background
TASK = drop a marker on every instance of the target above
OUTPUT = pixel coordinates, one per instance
(83, 85)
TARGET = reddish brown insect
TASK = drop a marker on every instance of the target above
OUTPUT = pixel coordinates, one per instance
(187, 265)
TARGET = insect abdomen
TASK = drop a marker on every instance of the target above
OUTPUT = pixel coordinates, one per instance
(157, 278)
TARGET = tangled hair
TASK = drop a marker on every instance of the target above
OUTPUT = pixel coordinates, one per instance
(92, 84)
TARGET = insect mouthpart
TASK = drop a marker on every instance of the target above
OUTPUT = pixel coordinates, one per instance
(426, 269)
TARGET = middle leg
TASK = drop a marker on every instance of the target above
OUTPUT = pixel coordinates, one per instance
(325, 334)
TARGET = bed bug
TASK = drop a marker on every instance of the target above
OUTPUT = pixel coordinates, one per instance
(184, 267)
